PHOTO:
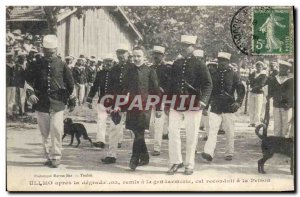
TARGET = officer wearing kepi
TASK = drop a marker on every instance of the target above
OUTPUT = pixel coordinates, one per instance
(223, 106)
(102, 86)
(118, 72)
(51, 85)
(189, 77)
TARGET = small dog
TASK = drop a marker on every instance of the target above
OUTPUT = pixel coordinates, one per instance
(75, 129)
(274, 144)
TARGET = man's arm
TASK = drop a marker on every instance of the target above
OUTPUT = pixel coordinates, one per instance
(94, 88)
(239, 87)
(205, 85)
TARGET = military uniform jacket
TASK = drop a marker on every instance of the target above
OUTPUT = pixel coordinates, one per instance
(79, 75)
(140, 81)
(257, 82)
(190, 76)
(103, 86)
(119, 72)
(52, 83)
(282, 92)
(90, 74)
(163, 75)
(225, 83)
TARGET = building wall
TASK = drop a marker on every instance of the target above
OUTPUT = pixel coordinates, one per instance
(97, 33)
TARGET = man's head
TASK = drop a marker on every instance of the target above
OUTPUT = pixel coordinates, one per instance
(284, 67)
(21, 57)
(50, 45)
(259, 66)
(93, 61)
(108, 61)
(9, 57)
(122, 53)
(186, 46)
(158, 54)
(138, 56)
(69, 59)
(223, 59)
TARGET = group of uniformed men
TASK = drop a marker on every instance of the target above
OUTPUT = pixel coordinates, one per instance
(52, 87)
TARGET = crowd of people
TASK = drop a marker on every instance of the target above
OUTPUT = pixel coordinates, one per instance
(216, 89)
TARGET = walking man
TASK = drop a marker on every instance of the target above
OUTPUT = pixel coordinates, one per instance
(162, 70)
(52, 84)
(141, 80)
(257, 81)
(115, 133)
(223, 106)
(281, 89)
(102, 86)
(79, 79)
(190, 78)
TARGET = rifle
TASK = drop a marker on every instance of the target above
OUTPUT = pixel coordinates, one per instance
(246, 99)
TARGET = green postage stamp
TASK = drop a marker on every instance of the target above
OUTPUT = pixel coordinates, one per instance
(272, 30)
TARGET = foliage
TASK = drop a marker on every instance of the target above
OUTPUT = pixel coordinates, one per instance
(164, 25)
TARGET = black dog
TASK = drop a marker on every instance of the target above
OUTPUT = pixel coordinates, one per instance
(273, 144)
(75, 129)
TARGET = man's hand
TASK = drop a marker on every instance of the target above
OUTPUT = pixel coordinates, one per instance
(204, 112)
(117, 109)
(235, 106)
(90, 105)
(202, 105)
(33, 99)
(71, 104)
(158, 114)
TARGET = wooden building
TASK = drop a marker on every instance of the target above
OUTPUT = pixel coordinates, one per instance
(97, 32)
(89, 31)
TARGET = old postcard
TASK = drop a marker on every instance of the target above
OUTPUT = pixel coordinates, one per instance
(150, 98)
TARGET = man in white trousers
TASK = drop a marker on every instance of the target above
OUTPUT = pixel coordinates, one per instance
(162, 70)
(190, 79)
(257, 81)
(50, 89)
(115, 132)
(281, 89)
(102, 86)
(223, 106)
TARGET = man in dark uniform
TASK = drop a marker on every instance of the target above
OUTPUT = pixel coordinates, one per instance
(21, 66)
(140, 82)
(281, 89)
(118, 73)
(80, 78)
(191, 84)
(51, 85)
(257, 80)
(103, 86)
(223, 106)
(162, 70)
(10, 83)
(91, 73)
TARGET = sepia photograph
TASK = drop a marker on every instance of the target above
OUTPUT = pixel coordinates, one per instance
(150, 98)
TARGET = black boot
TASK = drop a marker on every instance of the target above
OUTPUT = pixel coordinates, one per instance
(144, 159)
(134, 162)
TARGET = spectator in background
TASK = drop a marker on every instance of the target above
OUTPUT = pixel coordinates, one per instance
(79, 76)
(69, 60)
(91, 72)
(21, 65)
(10, 83)
(257, 81)
(99, 65)
(27, 43)
(281, 89)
